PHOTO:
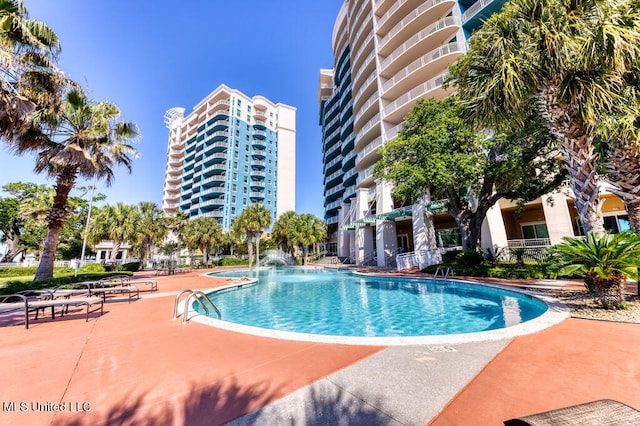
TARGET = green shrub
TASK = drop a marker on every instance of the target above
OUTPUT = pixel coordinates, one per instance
(231, 261)
(91, 268)
(67, 280)
(130, 267)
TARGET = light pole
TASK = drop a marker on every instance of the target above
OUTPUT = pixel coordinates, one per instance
(86, 226)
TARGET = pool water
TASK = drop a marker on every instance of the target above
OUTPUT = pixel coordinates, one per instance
(340, 303)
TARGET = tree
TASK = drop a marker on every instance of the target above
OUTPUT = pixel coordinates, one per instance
(153, 227)
(306, 230)
(252, 222)
(281, 230)
(28, 49)
(202, 233)
(438, 151)
(119, 224)
(574, 58)
(81, 138)
(605, 261)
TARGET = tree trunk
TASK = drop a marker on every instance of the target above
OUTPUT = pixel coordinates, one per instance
(13, 249)
(258, 249)
(250, 249)
(579, 157)
(205, 252)
(114, 252)
(56, 219)
(623, 165)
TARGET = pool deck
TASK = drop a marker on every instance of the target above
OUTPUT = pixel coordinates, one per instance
(136, 365)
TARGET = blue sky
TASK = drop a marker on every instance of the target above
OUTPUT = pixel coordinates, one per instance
(148, 57)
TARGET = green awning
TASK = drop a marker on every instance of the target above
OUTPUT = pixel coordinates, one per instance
(393, 215)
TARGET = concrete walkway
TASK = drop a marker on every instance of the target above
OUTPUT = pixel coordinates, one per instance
(134, 365)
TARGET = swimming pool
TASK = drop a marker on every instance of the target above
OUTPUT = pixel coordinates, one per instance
(339, 303)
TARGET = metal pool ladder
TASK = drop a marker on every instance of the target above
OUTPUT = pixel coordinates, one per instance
(445, 274)
(198, 296)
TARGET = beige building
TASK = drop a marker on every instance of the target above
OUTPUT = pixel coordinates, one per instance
(388, 54)
(229, 152)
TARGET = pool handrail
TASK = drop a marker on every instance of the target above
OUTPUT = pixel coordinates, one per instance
(197, 295)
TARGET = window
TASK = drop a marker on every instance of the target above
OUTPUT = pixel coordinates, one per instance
(246, 169)
(234, 188)
(238, 112)
(269, 192)
(233, 211)
(244, 189)
(233, 199)
(237, 133)
(244, 201)
(235, 175)
(246, 157)
(249, 108)
(237, 144)
(268, 202)
(239, 102)
(247, 138)
(617, 224)
(448, 237)
(534, 230)
(235, 164)
(246, 179)
(235, 154)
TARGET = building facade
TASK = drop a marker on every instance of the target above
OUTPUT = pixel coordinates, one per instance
(388, 54)
(230, 152)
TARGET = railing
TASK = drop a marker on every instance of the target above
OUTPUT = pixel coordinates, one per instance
(444, 273)
(420, 258)
(198, 296)
(277, 256)
(529, 242)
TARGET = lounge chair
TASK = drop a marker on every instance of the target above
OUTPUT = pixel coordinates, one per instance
(604, 412)
(35, 304)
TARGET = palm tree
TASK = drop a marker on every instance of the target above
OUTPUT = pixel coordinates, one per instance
(574, 57)
(152, 227)
(305, 231)
(81, 139)
(202, 233)
(253, 221)
(28, 49)
(281, 229)
(605, 261)
(119, 223)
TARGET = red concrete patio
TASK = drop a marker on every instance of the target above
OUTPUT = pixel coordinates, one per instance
(135, 365)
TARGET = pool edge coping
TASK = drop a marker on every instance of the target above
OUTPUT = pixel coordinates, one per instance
(556, 313)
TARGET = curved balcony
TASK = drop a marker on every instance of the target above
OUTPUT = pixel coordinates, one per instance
(342, 38)
(219, 124)
(333, 206)
(334, 193)
(350, 178)
(381, 6)
(174, 162)
(398, 109)
(333, 178)
(413, 22)
(365, 178)
(215, 159)
(364, 71)
(332, 165)
(256, 195)
(220, 110)
(259, 154)
(394, 13)
(258, 164)
(257, 184)
(433, 63)
(349, 193)
(215, 190)
(368, 110)
(367, 89)
(368, 132)
(347, 129)
(348, 162)
(259, 143)
(260, 125)
(369, 155)
(173, 179)
(259, 174)
(212, 202)
(215, 169)
(218, 136)
(360, 55)
(348, 145)
(259, 114)
(364, 32)
(217, 214)
(215, 147)
(259, 134)
(332, 152)
(430, 38)
(177, 143)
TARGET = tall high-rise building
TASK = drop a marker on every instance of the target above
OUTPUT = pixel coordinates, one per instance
(230, 152)
(388, 54)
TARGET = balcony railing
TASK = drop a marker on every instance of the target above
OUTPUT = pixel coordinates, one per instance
(529, 242)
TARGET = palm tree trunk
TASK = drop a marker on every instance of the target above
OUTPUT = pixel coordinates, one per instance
(623, 165)
(580, 159)
(13, 249)
(114, 252)
(258, 249)
(65, 181)
(250, 249)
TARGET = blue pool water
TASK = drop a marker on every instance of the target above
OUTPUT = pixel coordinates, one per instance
(340, 303)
